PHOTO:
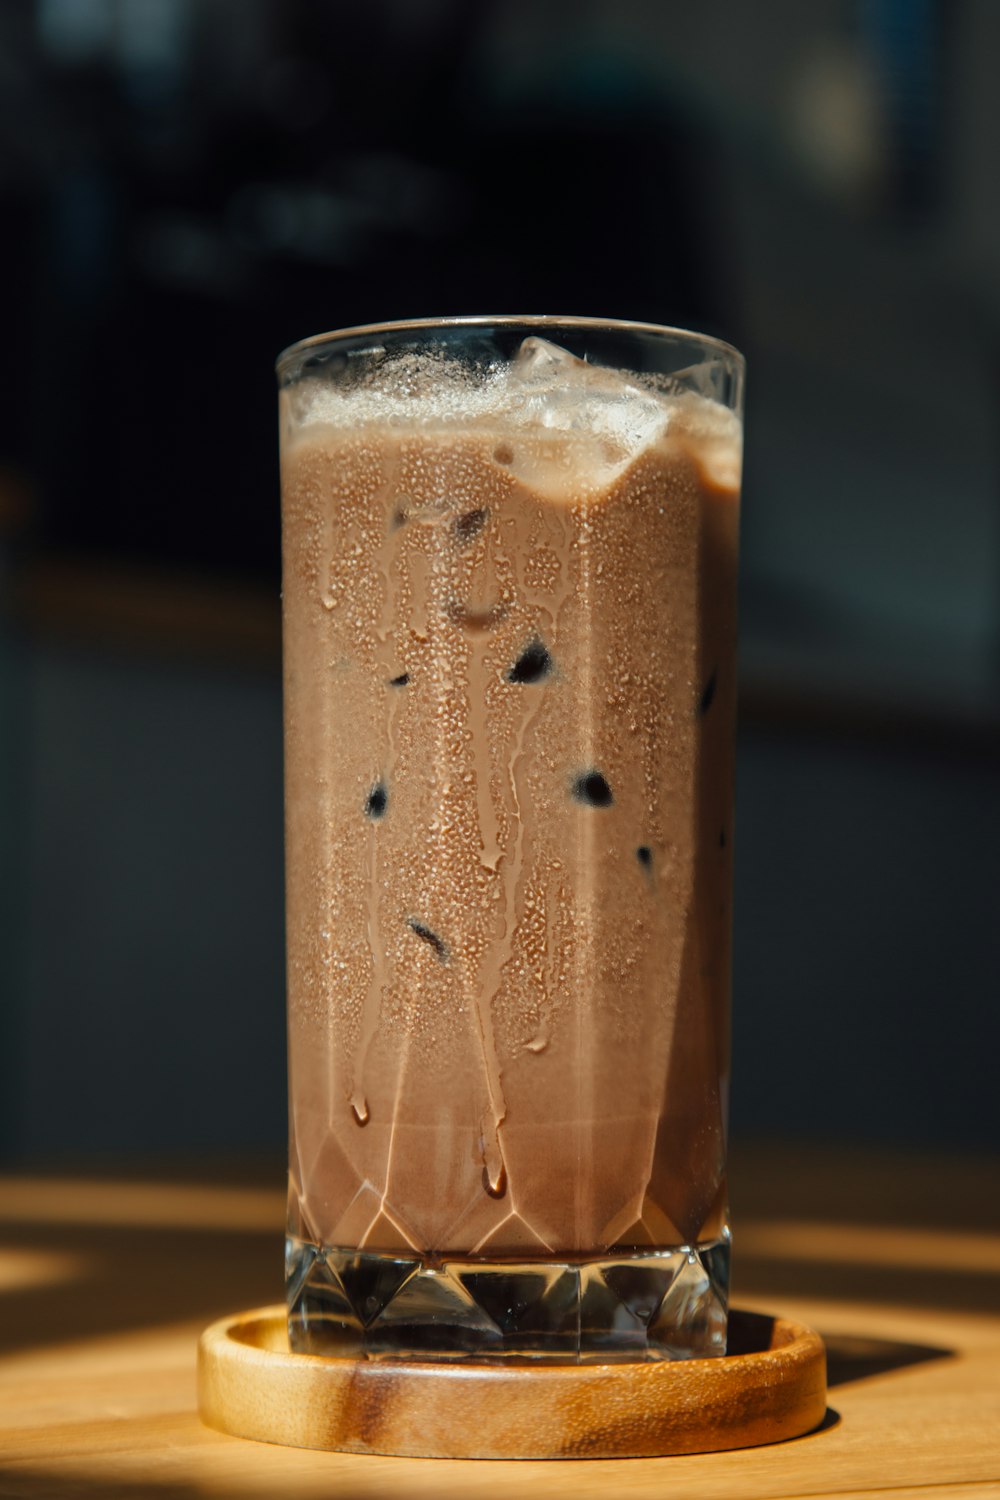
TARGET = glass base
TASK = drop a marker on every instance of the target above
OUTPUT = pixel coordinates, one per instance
(651, 1305)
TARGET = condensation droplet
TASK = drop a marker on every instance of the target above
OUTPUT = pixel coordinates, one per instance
(495, 1185)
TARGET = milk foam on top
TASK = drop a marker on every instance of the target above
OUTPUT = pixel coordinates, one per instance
(583, 424)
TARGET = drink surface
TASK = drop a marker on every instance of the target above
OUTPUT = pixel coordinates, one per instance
(509, 657)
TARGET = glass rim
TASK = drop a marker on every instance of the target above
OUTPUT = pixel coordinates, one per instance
(712, 345)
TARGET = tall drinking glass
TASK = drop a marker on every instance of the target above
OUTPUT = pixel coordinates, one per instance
(510, 552)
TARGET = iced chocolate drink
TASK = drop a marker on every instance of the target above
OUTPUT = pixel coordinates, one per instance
(509, 613)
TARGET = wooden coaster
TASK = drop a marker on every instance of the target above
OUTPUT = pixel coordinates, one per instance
(772, 1386)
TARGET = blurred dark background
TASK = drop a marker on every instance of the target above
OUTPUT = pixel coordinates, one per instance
(186, 186)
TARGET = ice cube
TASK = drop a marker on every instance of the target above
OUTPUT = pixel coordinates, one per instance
(538, 360)
(704, 379)
(576, 392)
(635, 420)
(582, 424)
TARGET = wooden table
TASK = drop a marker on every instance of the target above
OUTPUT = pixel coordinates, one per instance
(107, 1279)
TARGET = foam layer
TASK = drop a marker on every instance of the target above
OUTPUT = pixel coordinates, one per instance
(575, 424)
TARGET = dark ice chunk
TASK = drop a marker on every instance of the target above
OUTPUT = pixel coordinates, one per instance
(426, 935)
(591, 787)
(399, 681)
(532, 665)
(377, 801)
(471, 524)
(708, 695)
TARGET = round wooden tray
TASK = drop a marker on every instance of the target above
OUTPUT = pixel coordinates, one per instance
(772, 1386)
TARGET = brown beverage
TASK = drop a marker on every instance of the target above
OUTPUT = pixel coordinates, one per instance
(509, 605)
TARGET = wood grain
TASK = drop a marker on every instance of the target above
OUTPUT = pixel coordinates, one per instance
(251, 1386)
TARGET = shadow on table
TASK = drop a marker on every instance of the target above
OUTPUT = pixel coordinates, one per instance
(831, 1419)
(127, 1278)
(67, 1486)
(76, 1487)
(971, 1290)
(850, 1358)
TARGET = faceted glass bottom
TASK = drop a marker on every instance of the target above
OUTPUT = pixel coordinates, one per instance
(652, 1305)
